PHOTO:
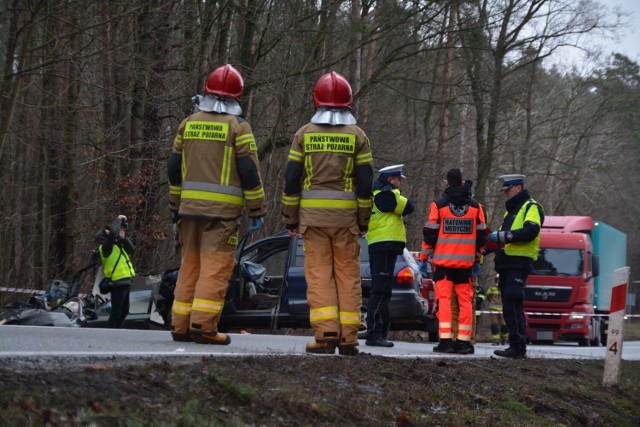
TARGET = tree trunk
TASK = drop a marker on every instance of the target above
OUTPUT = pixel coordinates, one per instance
(445, 98)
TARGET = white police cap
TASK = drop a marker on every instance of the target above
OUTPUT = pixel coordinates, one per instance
(394, 170)
(510, 180)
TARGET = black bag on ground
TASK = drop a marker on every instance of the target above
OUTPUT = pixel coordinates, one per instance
(105, 285)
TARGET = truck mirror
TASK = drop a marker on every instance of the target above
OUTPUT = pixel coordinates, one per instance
(595, 268)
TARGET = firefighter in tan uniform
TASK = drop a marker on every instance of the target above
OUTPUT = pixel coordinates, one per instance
(327, 197)
(213, 173)
(499, 333)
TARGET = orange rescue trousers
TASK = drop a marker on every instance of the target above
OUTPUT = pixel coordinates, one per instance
(332, 271)
(464, 294)
(455, 313)
(207, 264)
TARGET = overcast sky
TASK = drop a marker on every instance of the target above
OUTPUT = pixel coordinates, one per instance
(630, 43)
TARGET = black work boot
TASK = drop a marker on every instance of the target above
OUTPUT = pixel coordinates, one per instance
(513, 352)
(378, 341)
(523, 350)
(444, 346)
(463, 347)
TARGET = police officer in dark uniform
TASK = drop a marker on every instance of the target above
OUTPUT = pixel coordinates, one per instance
(520, 234)
(387, 239)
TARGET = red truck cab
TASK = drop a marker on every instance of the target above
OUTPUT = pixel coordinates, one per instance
(560, 290)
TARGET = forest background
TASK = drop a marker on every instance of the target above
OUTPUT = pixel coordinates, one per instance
(92, 94)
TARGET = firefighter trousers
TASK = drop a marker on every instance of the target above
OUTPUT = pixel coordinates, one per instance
(464, 296)
(207, 264)
(332, 271)
(499, 332)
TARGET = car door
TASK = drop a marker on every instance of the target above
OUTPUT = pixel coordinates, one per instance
(297, 285)
(139, 317)
(258, 285)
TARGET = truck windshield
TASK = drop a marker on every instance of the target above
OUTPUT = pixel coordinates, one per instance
(559, 262)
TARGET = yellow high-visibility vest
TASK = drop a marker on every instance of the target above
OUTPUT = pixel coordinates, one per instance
(527, 249)
(122, 270)
(387, 226)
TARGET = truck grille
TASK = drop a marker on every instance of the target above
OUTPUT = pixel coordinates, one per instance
(547, 293)
(545, 316)
(544, 326)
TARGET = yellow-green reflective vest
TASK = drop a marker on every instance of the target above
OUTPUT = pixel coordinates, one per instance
(387, 226)
(527, 249)
(123, 269)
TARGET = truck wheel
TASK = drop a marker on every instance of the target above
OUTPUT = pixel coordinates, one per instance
(604, 326)
(595, 342)
(583, 342)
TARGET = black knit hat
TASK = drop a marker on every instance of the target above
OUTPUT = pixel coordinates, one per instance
(454, 177)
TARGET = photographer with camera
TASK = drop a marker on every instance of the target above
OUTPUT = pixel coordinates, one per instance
(115, 250)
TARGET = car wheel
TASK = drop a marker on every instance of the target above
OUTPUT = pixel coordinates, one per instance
(597, 333)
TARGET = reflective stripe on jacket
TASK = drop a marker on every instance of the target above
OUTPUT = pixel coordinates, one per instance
(387, 226)
(219, 168)
(327, 164)
(526, 249)
(122, 263)
(456, 246)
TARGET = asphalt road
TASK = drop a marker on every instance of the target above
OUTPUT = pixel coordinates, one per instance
(35, 342)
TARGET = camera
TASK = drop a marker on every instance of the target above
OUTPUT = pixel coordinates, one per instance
(124, 224)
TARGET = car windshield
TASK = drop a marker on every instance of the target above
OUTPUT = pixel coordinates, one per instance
(559, 262)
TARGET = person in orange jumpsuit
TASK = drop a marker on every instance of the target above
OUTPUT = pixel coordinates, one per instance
(479, 295)
(453, 237)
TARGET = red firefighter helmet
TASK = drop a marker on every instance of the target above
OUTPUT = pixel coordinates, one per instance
(226, 81)
(332, 90)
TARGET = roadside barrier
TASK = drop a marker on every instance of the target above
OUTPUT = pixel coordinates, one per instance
(22, 290)
(537, 313)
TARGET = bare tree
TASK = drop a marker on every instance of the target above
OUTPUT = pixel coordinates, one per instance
(517, 29)
(92, 94)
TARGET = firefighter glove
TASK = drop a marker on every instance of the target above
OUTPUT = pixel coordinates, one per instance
(256, 224)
